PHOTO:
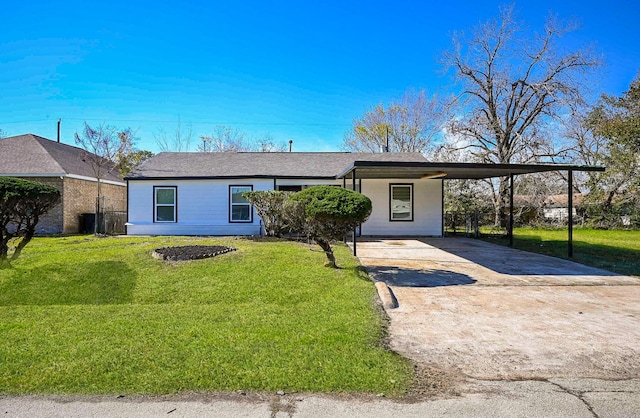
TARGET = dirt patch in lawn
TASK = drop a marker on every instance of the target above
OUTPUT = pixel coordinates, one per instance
(190, 252)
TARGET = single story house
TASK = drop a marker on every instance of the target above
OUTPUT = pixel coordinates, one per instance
(178, 193)
(67, 168)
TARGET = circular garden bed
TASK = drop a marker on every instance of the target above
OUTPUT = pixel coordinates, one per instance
(190, 252)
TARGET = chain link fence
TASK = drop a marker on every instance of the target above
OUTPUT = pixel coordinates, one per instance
(475, 223)
(110, 220)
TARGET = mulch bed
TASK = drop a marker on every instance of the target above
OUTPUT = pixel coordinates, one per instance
(190, 252)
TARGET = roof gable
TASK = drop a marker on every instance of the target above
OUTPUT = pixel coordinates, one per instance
(32, 155)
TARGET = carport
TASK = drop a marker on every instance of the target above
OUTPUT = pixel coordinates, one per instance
(360, 170)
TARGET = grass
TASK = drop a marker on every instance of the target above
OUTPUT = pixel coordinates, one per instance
(85, 315)
(613, 250)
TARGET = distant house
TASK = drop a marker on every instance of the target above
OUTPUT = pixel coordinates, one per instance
(556, 207)
(68, 169)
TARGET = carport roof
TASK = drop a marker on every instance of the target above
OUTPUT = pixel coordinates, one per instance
(411, 170)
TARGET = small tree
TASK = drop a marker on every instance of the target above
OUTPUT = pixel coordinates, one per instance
(270, 206)
(105, 146)
(329, 213)
(22, 203)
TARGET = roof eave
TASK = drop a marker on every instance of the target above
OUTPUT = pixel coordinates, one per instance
(265, 176)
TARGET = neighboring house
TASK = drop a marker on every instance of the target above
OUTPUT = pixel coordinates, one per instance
(556, 207)
(67, 168)
(201, 193)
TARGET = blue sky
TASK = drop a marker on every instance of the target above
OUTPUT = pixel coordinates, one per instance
(295, 70)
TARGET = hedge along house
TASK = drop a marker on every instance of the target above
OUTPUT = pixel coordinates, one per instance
(201, 193)
(65, 167)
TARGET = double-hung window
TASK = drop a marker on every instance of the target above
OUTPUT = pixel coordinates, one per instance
(165, 204)
(401, 202)
(239, 207)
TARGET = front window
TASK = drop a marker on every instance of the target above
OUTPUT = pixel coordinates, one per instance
(164, 202)
(401, 202)
(239, 208)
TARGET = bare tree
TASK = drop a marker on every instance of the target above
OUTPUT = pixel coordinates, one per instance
(224, 139)
(412, 124)
(267, 143)
(103, 145)
(179, 141)
(513, 87)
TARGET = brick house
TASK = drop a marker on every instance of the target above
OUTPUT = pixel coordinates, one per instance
(67, 168)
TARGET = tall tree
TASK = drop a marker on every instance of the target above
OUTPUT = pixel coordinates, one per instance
(609, 135)
(412, 124)
(513, 86)
(224, 139)
(178, 141)
(618, 118)
(229, 139)
(267, 143)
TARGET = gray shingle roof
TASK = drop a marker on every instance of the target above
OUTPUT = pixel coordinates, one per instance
(32, 155)
(258, 164)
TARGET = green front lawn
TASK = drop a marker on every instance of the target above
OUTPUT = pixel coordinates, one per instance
(100, 315)
(615, 250)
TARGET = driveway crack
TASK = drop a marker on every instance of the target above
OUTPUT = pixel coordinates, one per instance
(577, 394)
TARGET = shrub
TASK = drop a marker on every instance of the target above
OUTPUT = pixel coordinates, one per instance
(327, 213)
(270, 206)
(22, 202)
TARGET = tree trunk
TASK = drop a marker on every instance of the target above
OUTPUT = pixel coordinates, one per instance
(4, 250)
(502, 217)
(328, 252)
(26, 238)
(96, 228)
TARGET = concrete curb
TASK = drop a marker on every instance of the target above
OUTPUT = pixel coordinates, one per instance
(387, 297)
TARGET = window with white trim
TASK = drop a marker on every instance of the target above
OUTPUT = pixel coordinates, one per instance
(401, 202)
(165, 203)
(239, 207)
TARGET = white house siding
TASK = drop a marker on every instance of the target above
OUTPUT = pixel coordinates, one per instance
(427, 208)
(203, 208)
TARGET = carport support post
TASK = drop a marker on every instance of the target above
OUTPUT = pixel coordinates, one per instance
(353, 179)
(510, 210)
(570, 214)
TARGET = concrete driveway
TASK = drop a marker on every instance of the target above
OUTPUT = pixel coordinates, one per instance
(492, 312)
